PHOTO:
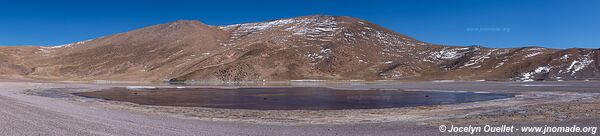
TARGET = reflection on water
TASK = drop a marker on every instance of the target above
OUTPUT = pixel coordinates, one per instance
(288, 98)
(244, 83)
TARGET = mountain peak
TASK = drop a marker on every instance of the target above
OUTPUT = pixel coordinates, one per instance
(317, 18)
(193, 23)
(315, 21)
(306, 47)
(183, 21)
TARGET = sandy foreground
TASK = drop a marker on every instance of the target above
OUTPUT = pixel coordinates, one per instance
(22, 112)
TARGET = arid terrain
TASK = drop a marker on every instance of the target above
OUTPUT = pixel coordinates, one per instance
(317, 47)
(50, 108)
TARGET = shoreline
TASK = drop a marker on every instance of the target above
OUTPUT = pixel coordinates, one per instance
(392, 121)
(418, 114)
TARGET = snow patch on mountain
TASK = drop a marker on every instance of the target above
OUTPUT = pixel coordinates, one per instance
(533, 54)
(579, 65)
(446, 53)
(319, 28)
(528, 76)
(478, 60)
(47, 49)
(564, 57)
(67, 45)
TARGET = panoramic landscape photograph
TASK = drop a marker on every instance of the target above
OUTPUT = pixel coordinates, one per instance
(299, 67)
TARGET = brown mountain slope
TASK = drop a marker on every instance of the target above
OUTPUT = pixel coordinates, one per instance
(147, 53)
(12, 60)
(309, 47)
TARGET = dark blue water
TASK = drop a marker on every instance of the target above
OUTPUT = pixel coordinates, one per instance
(290, 98)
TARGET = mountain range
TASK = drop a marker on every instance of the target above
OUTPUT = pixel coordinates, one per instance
(316, 47)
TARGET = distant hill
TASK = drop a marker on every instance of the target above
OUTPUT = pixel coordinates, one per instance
(309, 47)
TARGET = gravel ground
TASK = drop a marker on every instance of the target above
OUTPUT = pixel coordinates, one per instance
(23, 114)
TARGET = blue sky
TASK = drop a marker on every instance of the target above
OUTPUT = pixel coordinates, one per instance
(490, 23)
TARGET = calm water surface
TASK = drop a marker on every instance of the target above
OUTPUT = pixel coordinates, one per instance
(288, 98)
